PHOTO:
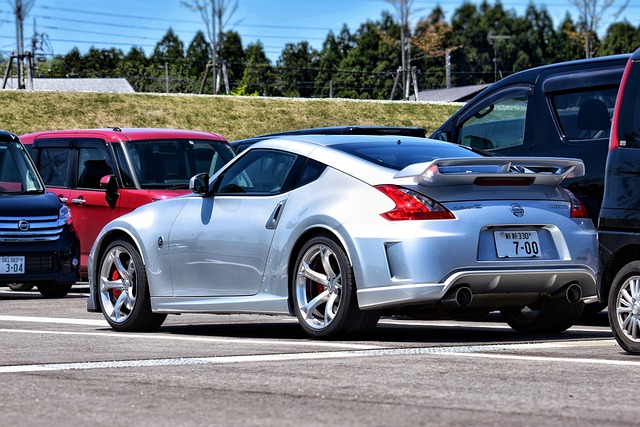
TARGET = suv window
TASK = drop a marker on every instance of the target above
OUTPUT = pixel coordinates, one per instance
(628, 124)
(499, 122)
(585, 114)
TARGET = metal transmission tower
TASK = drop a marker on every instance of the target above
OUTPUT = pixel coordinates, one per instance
(20, 9)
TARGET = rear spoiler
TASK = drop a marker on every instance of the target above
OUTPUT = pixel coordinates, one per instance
(465, 170)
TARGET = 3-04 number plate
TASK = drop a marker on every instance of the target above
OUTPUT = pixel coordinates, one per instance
(12, 265)
(517, 244)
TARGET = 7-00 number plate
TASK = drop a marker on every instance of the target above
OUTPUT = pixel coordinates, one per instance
(12, 265)
(517, 244)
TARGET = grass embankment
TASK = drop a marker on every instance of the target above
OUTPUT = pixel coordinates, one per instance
(233, 117)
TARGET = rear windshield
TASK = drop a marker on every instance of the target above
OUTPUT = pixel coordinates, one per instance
(629, 113)
(17, 174)
(397, 156)
(172, 162)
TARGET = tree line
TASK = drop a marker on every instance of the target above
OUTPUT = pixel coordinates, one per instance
(482, 43)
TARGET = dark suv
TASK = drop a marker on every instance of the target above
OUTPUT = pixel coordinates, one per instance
(38, 243)
(619, 224)
(557, 110)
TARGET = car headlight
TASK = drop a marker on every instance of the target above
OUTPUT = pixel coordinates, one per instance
(64, 215)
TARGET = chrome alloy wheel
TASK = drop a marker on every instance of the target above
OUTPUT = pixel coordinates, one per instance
(318, 286)
(627, 308)
(118, 284)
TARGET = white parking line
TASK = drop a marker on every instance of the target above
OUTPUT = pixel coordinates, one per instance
(488, 351)
(54, 320)
(161, 336)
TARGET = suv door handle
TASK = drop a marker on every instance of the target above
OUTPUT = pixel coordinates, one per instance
(78, 201)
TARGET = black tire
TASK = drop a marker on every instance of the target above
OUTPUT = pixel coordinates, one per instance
(58, 290)
(123, 290)
(593, 309)
(20, 287)
(323, 272)
(624, 307)
(546, 316)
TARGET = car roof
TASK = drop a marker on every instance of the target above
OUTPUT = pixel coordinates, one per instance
(7, 136)
(293, 142)
(116, 134)
(335, 130)
(531, 75)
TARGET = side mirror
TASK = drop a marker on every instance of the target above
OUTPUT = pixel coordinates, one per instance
(445, 135)
(109, 183)
(199, 184)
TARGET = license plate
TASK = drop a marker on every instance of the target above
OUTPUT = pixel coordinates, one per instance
(517, 244)
(12, 265)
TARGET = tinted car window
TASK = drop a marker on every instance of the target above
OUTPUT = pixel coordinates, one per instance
(53, 166)
(585, 114)
(499, 123)
(629, 117)
(161, 162)
(92, 166)
(260, 171)
(16, 173)
(398, 156)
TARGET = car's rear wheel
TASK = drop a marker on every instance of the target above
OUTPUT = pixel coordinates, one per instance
(545, 316)
(123, 290)
(324, 291)
(24, 287)
(624, 307)
(57, 290)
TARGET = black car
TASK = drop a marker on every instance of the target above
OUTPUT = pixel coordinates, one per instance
(557, 110)
(619, 224)
(38, 244)
(242, 144)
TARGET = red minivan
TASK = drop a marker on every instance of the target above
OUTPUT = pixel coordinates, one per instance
(104, 173)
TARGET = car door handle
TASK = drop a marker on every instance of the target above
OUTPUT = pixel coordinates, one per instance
(62, 198)
(78, 201)
(272, 223)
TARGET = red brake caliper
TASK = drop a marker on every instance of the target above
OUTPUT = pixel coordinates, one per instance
(115, 292)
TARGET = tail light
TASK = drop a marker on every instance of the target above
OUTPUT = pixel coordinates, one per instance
(412, 205)
(614, 141)
(578, 210)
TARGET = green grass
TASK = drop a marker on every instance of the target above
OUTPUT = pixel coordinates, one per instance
(233, 117)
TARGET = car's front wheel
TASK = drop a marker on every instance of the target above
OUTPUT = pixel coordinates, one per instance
(544, 316)
(624, 307)
(123, 290)
(324, 291)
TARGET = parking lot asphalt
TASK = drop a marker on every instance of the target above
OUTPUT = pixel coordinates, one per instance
(64, 366)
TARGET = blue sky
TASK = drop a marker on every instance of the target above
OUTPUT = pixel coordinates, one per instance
(124, 23)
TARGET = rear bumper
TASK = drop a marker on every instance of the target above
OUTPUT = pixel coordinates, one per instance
(490, 288)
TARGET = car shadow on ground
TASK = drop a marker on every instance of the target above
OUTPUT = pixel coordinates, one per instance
(490, 329)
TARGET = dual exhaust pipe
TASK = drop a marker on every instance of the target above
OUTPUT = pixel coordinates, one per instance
(461, 296)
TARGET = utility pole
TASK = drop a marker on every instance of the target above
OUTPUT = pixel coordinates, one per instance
(19, 55)
(492, 39)
(447, 64)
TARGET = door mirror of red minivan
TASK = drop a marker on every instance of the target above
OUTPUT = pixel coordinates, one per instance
(109, 183)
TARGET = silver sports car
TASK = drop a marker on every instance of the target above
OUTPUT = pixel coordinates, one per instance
(338, 230)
